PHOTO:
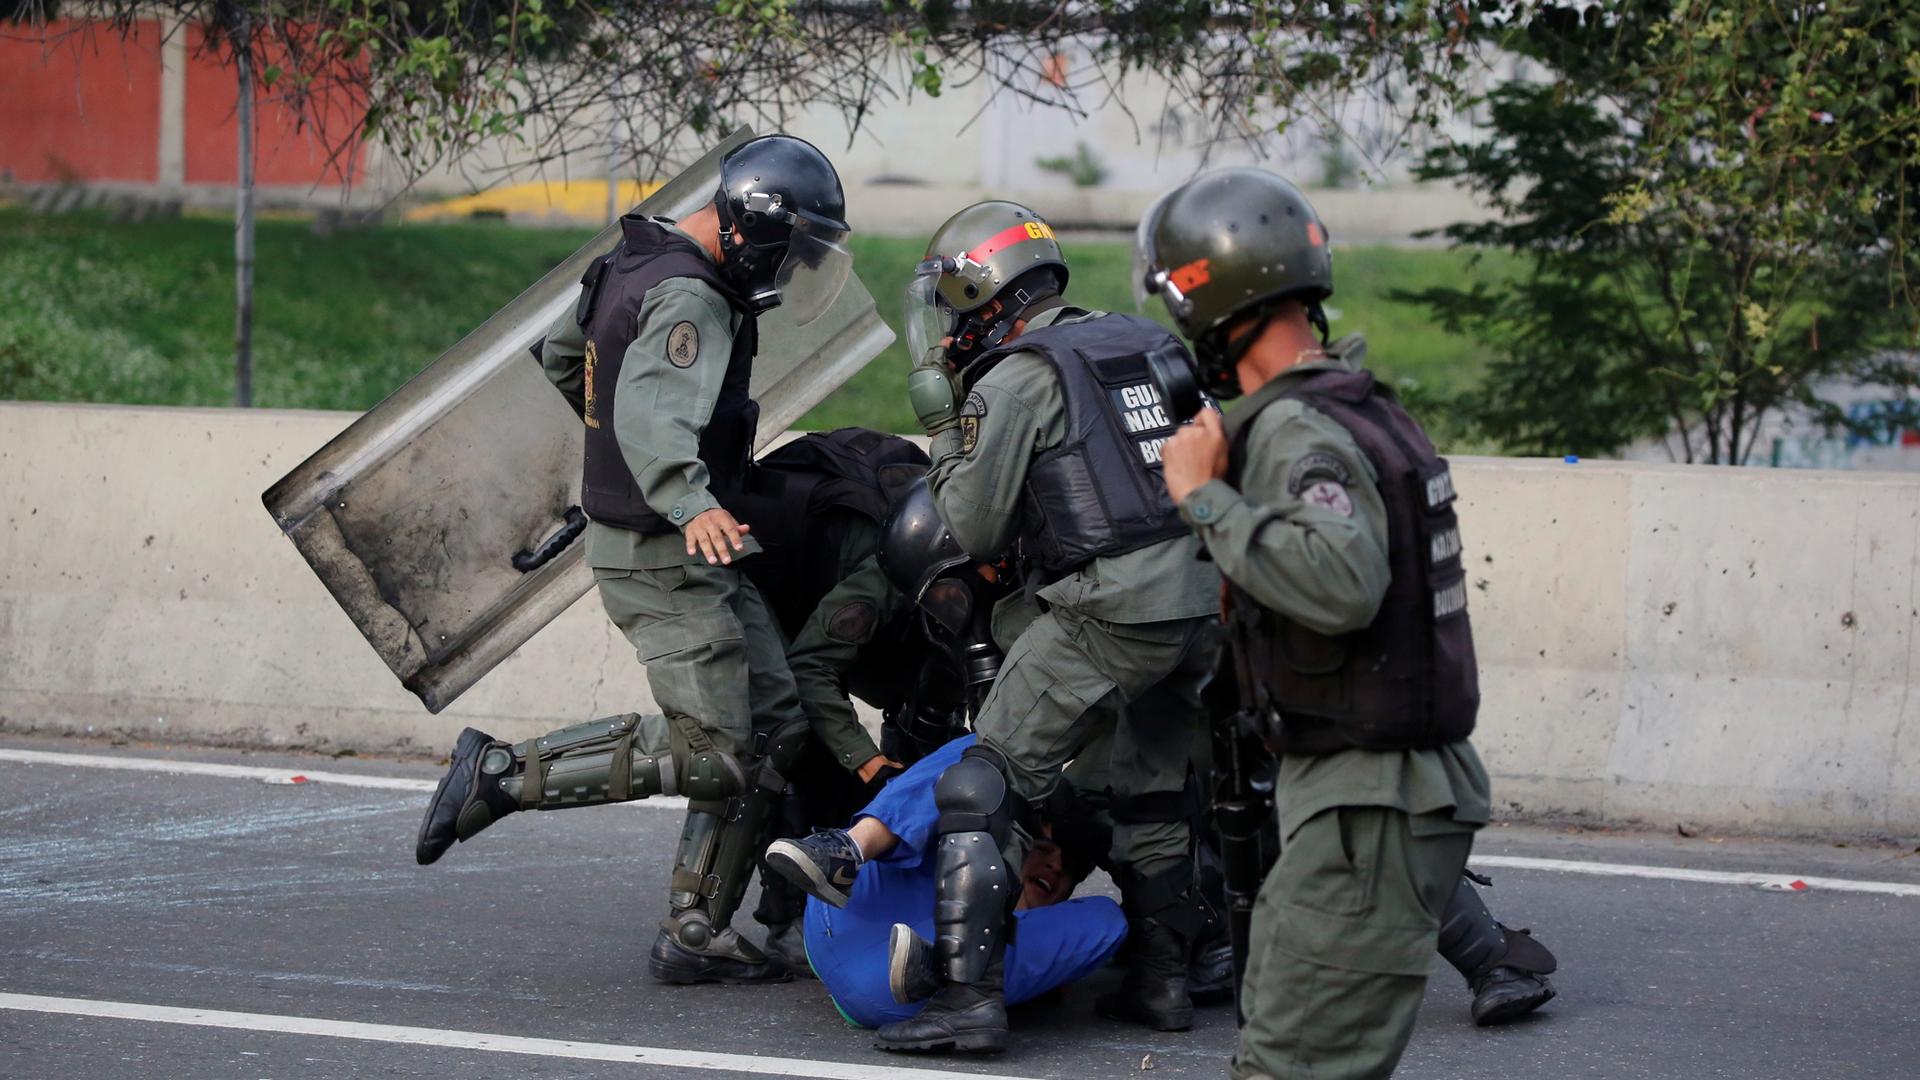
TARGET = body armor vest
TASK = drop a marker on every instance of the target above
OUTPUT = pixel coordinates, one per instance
(611, 295)
(799, 498)
(1100, 491)
(1409, 679)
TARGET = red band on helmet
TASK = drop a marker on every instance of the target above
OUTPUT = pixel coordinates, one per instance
(1006, 238)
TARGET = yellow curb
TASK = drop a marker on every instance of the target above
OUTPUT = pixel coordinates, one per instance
(579, 199)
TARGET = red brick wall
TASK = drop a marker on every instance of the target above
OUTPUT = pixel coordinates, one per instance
(81, 104)
(284, 152)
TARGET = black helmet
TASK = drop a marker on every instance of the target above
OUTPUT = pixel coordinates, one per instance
(780, 196)
(924, 562)
(1229, 243)
(915, 546)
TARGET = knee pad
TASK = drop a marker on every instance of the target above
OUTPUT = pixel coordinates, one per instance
(782, 747)
(707, 777)
(972, 795)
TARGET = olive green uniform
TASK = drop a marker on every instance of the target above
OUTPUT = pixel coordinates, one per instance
(712, 651)
(828, 645)
(1372, 843)
(1137, 630)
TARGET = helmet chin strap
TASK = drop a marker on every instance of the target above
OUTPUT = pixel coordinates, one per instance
(974, 334)
(1220, 358)
(740, 262)
(1317, 315)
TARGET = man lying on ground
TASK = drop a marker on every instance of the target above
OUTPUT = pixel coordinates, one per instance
(870, 908)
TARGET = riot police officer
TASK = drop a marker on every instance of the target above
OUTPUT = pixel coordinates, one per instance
(1331, 516)
(818, 503)
(1046, 437)
(656, 359)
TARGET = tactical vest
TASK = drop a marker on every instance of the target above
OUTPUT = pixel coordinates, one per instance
(798, 498)
(611, 295)
(1100, 492)
(1408, 680)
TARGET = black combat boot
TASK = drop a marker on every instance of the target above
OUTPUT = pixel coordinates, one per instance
(968, 1018)
(727, 958)
(1506, 993)
(787, 943)
(1166, 916)
(1154, 989)
(1506, 969)
(469, 797)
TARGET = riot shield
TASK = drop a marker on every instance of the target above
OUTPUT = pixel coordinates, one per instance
(422, 517)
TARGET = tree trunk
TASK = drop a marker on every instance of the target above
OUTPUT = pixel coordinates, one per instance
(243, 224)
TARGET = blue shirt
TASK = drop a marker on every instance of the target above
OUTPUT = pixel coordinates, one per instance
(847, 946)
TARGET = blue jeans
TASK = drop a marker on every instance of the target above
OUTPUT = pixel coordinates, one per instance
(1052, 946)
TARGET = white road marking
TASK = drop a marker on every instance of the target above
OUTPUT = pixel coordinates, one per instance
(256, 772)
(209, 768)
(1711, 877)
(396, 783)
(479, 1040)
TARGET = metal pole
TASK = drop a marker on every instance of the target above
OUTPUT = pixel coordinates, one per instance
(613, 182)
(243, 224)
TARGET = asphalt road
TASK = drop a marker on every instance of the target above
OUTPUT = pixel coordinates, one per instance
(301, 905)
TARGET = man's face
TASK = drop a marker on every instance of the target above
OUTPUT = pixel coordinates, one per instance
(1043, 879)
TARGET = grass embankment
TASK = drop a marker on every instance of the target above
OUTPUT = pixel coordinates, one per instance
(143, 314)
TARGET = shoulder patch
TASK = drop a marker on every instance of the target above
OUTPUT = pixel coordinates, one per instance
(1318, 466)
(971, 412)
(1330, 495)
(854, 623)
(683, 344)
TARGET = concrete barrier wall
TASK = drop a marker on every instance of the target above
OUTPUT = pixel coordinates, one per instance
(1726, 648)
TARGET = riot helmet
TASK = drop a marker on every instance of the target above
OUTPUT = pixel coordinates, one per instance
(783, 226)
(983, 269)
(1227, 244)
(915, 546)
(955, 603)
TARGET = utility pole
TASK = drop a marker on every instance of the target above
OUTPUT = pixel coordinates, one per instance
(241, 40)
(613, 179)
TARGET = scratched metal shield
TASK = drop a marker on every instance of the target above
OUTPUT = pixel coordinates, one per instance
(412, 516)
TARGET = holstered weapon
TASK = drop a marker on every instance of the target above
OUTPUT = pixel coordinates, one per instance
(1241, 791)
(1243, 822)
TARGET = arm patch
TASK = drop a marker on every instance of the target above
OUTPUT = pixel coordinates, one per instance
(1317, 467)
(854, 623)
(972, 411)
(683, 344)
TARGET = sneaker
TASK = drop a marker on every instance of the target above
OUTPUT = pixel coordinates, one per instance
(910, 972)
(1210, 973)
(823, 865)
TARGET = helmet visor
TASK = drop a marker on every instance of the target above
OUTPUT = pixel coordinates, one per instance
(1150, 277)
(815, 269)
(929, 326)
(1145, 258)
